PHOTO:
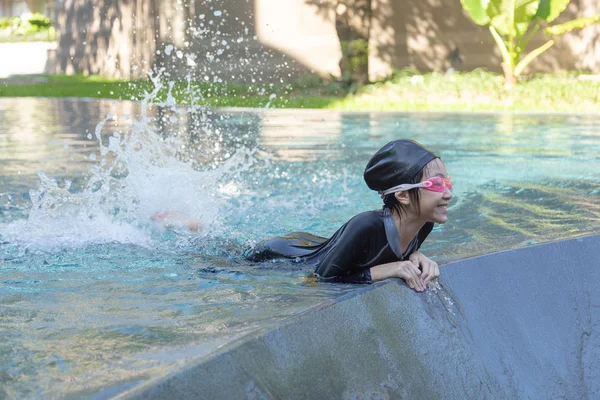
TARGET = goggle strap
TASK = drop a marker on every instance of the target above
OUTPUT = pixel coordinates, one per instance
(402, 188)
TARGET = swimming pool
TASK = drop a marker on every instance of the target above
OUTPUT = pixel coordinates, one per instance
(95, 298)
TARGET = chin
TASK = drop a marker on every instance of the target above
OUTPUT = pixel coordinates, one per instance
(439, 219)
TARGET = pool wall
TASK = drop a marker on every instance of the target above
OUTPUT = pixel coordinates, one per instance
(523, 323)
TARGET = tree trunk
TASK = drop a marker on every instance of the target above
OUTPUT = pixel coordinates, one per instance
(353, 23)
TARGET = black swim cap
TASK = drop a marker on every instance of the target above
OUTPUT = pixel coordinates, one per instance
(396, 163)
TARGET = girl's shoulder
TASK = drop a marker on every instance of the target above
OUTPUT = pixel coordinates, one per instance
(368, 220)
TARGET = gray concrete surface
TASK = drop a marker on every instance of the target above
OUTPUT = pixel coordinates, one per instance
(27, 58)
(515, 324)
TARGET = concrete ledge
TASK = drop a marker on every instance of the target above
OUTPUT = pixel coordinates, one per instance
(515, 324)
(27, 58)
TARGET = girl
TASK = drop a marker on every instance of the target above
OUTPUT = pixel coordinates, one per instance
(381, 244)
(374, 245)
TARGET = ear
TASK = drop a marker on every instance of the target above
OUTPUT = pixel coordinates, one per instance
(402, 198)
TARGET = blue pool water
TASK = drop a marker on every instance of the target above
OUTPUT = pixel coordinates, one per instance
(95, 297)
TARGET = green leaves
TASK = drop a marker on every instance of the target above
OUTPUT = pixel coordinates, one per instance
(571, 25)
(510, 23)
(550, 9)
(508, 17)
(477, 10)
(512, 17)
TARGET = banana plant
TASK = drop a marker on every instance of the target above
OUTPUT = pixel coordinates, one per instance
(513, 23)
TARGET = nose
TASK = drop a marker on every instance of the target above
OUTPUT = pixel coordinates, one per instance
(447, 194)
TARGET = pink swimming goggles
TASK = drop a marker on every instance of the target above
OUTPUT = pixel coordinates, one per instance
(435, 184)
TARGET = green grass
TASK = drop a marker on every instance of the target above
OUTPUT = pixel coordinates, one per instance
(198, 93)
(476, 91)
(405, 91)
(46, 35)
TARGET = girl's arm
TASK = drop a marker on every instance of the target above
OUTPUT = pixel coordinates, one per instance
(406, 270)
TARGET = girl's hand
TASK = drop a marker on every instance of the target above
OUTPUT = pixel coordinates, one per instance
(428, 269)
(410, 272)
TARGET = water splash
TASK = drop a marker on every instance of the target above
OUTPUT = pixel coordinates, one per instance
(135, 174)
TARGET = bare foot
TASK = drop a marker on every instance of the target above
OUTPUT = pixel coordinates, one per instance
(174, 220)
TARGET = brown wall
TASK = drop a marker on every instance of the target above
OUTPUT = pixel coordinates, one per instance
(124, 38)
(7, 7)
(424, 33)
(103, 36)
(37, 5)
(270, 40)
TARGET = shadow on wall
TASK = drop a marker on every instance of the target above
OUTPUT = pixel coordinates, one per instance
(219, 41)
(351, 20)
(437, 36)
(433, 35)
(576, 50)
(223, 39)
(107, 37)
(426, 35)
(208, 41)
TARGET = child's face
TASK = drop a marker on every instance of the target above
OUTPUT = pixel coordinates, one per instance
(434, 205)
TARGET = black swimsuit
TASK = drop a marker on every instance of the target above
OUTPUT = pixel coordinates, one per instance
(369, 239)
